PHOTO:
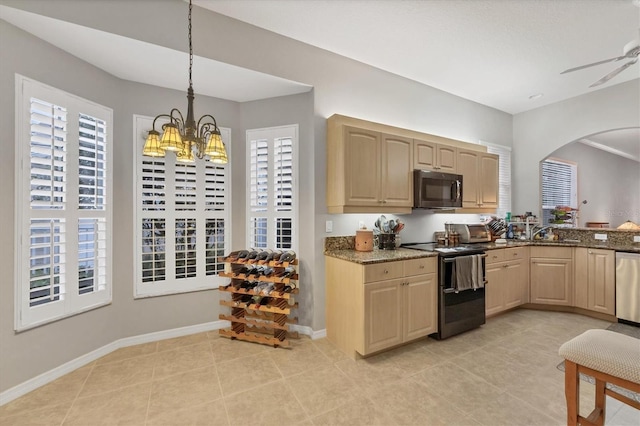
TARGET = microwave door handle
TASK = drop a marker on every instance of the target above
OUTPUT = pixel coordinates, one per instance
(458, 188)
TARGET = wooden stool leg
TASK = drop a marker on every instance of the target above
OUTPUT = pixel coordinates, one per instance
(600, 402)
(571, 392)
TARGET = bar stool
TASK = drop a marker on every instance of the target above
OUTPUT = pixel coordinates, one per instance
(607, 356)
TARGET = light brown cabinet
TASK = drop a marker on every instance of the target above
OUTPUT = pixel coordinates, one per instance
(595, 280)
(375, 307)
(368, 171)
(429, 155)
(479, 172)
(551, 273)
(507, 274)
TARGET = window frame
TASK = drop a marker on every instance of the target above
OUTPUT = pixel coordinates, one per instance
(573, 203)
(73, 301)
(173, 285)
(271, 134)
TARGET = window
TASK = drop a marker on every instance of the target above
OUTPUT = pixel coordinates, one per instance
(559, 186)
(63, 204)
(272, 175)
(182, 220)
(504, 177)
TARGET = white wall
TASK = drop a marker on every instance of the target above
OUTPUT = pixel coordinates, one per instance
(609, 183)
(539, 132)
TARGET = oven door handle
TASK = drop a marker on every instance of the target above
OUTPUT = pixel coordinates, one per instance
(453, 259)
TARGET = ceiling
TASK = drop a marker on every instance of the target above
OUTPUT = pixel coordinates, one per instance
(495, 52)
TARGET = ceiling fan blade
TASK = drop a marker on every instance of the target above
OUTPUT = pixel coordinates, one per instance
(593, 64)
(613, 73)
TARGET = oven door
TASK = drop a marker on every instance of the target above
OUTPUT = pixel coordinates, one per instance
(436, 190)
(458, 311)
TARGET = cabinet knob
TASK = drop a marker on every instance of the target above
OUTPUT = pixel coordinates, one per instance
(386, 272)
(384, 201)
(421, 266)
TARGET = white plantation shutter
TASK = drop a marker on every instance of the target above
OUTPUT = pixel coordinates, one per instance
(559, 186)
(504, 176)
(48, 154)
(181, 211)
(63, 210)
(91, 163)
(272, 175)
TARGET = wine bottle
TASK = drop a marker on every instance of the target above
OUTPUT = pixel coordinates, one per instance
(287, 256)
(274, 255)
(233, 254)
(263, 254)
(252, 254)
(248, 269)
(267, 271)
(242, 254)
(287, 272)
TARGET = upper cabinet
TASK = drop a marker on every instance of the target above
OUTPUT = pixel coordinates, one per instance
(479, 172)
(370, 167)
(368, 171)
(434, 156)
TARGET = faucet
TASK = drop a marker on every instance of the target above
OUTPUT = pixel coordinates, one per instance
(536, 232)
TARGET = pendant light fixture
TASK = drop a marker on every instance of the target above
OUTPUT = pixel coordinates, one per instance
(186, 138)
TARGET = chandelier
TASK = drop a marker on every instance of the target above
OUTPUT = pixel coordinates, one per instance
(185, 137)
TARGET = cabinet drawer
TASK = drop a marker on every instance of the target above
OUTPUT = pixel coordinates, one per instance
(421, 266)
(494, 256)
(383, 271)
(552, 252)
(515, 253)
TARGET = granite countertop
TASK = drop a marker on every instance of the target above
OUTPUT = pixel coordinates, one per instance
(377, 256)
(342, 248)
(609, 245)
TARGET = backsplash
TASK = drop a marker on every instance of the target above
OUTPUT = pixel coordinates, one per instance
(587, 235)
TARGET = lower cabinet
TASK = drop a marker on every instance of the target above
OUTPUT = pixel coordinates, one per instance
(551, 271)
(374, 307)
(507, 277)
(595, 285)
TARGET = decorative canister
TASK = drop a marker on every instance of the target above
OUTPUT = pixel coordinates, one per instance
(364, 240)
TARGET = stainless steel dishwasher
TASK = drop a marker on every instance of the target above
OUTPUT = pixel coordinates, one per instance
(628, 287)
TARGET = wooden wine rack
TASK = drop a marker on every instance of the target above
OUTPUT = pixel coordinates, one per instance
(266, 324)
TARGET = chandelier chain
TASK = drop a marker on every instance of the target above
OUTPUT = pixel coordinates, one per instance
(190, 46)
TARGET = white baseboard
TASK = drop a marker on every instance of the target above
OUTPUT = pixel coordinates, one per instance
(51, 375)
(308, 331)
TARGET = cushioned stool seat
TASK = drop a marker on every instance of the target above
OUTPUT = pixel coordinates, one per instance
(608, 357)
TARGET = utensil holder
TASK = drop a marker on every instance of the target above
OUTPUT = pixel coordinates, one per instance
(387, 241)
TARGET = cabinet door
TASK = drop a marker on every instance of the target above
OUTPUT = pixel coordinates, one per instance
(420, 307)
(516, 283)
(551, 281)
(397, 171)
(447, 158)
(468, 168)
(494, 289)
(362, 167)
(489, 169)
(424, 155)
(382, 315)
(601, 287)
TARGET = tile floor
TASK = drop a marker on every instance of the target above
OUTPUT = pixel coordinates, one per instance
(501, 374)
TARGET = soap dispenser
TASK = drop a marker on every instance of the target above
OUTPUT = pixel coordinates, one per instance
(510, 232)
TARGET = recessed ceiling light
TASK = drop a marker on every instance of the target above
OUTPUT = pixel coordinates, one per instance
(537, 95)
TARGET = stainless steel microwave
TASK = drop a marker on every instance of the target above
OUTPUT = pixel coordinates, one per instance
(435, 190)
